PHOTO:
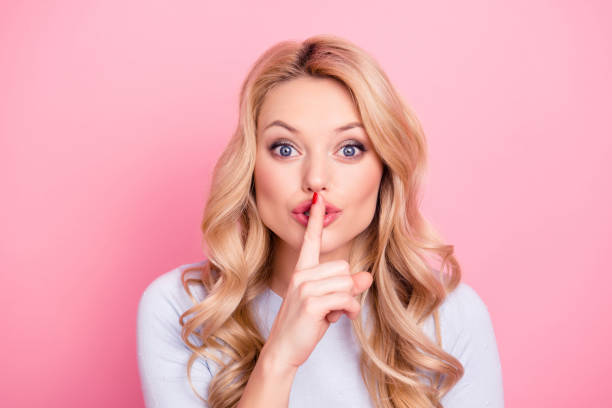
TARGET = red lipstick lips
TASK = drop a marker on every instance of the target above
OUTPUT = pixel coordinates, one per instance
(331, 213)
(305, 206)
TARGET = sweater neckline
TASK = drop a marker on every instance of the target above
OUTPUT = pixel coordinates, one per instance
(275, 295)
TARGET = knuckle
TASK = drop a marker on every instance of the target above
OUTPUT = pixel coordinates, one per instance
(303, 289)
(348, 283)
(344, 266)
(296, 278)
(340, 267)
(294, 283)
(309, 306)
(345, 298)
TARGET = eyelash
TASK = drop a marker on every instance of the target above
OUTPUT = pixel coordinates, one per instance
(356, 144)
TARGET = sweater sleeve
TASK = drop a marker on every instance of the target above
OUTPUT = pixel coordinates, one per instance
(475, 347)
(162, 354)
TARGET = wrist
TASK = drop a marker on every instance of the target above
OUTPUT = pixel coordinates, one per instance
(274, 364)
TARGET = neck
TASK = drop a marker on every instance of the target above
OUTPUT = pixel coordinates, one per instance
(285, 258)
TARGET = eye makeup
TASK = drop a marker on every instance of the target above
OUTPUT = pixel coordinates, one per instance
(351, 143)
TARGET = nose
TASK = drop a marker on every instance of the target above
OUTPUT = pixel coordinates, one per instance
(315, 174)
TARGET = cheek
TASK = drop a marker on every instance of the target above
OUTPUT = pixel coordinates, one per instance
(263, 180)
(369, 181)
(271, 186)
(365, 195)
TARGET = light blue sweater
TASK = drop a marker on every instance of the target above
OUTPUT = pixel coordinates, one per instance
(330, 377)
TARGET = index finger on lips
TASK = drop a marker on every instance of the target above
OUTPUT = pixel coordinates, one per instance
(311, 246)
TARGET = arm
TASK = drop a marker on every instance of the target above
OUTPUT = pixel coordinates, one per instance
(476, 347)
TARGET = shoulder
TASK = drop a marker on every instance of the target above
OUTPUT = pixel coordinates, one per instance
(464, 303)
(165, 298)
(463, 316)
(163, 356)
(467, 334)
(169, 285)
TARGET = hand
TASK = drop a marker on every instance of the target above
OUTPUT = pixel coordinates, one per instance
(318, 294)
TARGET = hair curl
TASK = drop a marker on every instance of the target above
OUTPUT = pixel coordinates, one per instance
(413, 269)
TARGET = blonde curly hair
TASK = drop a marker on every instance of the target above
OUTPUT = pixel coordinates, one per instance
(413, 269)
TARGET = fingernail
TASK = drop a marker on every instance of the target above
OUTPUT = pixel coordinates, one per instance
(314, 197)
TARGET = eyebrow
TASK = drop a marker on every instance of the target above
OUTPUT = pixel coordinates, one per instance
(293, 130)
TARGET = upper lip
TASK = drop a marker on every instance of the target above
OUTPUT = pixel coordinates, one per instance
(305, 206)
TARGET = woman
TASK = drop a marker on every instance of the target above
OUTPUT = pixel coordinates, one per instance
(323, 286)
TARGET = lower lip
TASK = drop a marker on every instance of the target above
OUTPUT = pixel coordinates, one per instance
(329, 218)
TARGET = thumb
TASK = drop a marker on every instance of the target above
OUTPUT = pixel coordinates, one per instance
(361, 281)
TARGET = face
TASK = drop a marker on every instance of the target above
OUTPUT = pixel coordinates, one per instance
(304, 145)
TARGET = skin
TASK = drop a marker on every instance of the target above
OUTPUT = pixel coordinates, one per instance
(313, 158)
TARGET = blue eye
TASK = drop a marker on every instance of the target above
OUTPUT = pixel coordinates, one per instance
(285, 149)
(349, 149)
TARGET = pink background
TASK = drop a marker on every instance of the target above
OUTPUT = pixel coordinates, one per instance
(112, 115)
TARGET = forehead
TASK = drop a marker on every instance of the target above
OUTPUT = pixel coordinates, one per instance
(309, 103)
